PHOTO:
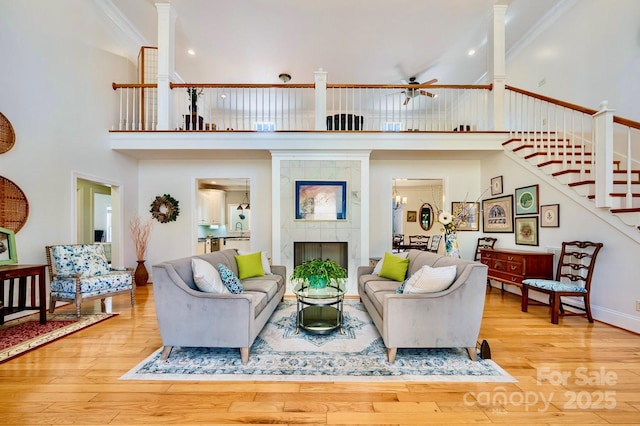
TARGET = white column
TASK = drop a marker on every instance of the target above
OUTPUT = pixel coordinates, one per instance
(166, 64)
(603, 153)
(320, 78)
(497, 73)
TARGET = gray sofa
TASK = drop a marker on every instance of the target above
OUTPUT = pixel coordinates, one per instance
(191, 318)
(445, 319)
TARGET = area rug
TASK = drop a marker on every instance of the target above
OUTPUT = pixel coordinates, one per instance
(279, 354)
(21, 335)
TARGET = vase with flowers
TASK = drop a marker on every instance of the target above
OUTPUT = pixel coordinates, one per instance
(450, 225)
(140, 231)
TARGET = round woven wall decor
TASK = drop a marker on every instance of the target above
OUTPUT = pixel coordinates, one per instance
(7, 135)
(14, 207)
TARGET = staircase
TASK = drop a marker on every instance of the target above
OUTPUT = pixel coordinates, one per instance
(571, 166)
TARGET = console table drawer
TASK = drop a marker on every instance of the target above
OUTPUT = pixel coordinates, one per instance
(505, 277)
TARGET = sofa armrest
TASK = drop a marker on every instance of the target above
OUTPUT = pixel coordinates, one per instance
(279, 270)
(364, 270)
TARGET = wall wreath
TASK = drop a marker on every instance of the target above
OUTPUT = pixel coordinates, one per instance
(165, 208)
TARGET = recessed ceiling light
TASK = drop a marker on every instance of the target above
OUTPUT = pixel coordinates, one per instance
(223, 96)
(471, 52)
(191, 52)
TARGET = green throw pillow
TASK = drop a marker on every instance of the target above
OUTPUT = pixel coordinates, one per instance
(394, 268)
(250, 265)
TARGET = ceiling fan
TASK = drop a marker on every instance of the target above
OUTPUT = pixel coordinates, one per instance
(412, 93)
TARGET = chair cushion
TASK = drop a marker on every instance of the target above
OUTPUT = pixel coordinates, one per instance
(394, 267)
(553, 285)
(430, 280)
(206, 277)
(88, 260)
(230, 281)
(250, 265)
(92, 286)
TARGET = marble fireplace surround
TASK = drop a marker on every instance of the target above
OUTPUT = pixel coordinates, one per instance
(352, 168)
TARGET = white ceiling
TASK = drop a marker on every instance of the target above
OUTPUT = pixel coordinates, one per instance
(355, 41)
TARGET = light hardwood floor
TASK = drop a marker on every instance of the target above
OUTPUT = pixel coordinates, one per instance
(574, 372)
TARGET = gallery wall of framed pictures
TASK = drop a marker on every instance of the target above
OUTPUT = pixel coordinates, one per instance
(520, 213)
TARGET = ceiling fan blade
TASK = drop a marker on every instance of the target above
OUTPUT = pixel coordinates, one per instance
(433, 80)
(429, 94)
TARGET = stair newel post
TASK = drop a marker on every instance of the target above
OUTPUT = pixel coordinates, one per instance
(603, 155)
(629, 196)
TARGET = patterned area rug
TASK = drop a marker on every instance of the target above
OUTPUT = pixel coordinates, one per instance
(24, 334)
(278, 354)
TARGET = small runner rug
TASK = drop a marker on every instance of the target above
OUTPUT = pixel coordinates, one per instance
(21, 335)
(279, 354)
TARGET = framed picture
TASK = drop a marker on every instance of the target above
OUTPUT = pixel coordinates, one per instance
(321, 200)
(411, 216)
(470, 212)
(8, 254)
(527, 200)
(496, 185)
(527, 230)
(497, 214)
(550, 216)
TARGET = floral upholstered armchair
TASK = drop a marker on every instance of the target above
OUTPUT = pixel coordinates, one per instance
(79, 272)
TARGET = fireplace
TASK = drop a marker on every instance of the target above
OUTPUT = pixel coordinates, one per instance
(336, 251)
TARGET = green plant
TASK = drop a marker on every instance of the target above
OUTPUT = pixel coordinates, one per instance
(318, 272)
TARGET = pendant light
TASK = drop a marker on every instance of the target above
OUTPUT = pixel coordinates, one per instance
(244, 205)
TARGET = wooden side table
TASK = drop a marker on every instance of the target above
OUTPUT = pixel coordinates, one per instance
(23, 275)
(512, 266)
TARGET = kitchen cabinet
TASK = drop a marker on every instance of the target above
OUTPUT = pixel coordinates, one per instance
(237, 243)
(210, 206)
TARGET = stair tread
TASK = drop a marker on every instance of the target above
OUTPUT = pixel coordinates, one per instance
(592, 182)
(630, 210)
(535, 154)
(616, 195)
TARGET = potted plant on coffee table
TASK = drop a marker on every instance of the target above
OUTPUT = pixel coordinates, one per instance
(317, 273)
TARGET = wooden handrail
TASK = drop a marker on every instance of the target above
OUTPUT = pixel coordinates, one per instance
(134, 85)
(410, 86)
(552, 100)
(616, 119)
(626, 122)
(240, 86)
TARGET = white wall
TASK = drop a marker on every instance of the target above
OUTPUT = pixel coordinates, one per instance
(591, 53)
(615, 283)
(55, 88)
(178, 178)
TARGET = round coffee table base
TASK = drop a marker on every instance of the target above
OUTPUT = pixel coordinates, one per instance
(319, 319)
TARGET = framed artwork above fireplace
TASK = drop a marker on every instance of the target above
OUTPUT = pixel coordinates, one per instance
(321, 200)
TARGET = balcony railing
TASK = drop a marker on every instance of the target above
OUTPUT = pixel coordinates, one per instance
(295, 107)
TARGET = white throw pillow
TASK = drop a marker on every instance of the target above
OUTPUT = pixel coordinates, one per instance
(430, 280)
(206, 277)
(265, 262)
(378, 267)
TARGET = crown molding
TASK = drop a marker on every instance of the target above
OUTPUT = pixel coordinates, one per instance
(122, 27)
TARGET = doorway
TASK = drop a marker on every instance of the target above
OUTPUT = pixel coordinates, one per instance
(98, 216)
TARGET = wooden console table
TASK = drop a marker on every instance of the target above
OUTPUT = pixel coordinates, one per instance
(23, 275)
(512, 266)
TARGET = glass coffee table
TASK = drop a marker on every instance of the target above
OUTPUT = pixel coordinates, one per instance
(319, 310)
